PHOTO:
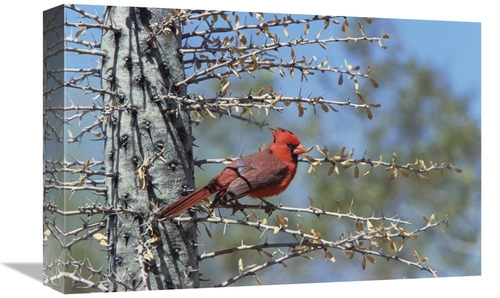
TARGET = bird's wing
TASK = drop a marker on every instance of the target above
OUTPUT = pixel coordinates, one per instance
(259, 176)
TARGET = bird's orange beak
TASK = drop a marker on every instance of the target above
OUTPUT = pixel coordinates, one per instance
(299, 150)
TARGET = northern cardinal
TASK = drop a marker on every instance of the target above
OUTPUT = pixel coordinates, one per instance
(258, 175)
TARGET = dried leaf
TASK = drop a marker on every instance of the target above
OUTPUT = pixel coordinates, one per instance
(370, 259)
(345, 25)
(315, 233)
(101, 238)
(210, 113)
(277, 99)
(282, 221)
(326, 24)
(329, 255)
(227, 19)
(207, 230)
(148, 255)
(301, 109)
(369, 114)
(285, 32)
(323, 151)
(415, 254)
(361, 97)
(235, 72)
(236, 21)
(224, 87)
(423, 177)
(394, 247)
(324, 107)
(46, 234)
(242, 38)
(240, 264)
(307, 28)
(86, 165)
(361, 28)
(260, 16)
(267, 254)
(394, 174)
(341, 79)
(401, 247)
(374, 84)
(333, 109)
(359, 226)
(79, 32)
(261, 90)
(331, 170)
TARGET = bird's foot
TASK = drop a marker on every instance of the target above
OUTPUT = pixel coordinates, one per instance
(268, 207)
(237, 206)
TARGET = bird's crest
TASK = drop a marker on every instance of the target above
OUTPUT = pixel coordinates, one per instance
(282, 135)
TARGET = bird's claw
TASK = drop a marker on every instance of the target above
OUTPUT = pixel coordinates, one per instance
(268, 207)
(237, 207)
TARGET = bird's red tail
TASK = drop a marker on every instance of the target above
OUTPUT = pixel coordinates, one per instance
(186, 202)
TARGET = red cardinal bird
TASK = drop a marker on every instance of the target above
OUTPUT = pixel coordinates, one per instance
(259, 175)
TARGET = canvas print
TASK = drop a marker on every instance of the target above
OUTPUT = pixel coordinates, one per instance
(189, 148)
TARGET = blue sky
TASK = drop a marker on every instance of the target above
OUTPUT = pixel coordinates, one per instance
(21, 61)
(452, 47)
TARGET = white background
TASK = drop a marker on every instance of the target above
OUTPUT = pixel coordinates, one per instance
(21, 166)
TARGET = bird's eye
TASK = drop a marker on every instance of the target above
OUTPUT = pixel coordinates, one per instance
(290, 145)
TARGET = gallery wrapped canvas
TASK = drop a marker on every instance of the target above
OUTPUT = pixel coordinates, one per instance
(140, 101)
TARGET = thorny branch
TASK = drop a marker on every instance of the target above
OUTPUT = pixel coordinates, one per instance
(98, 21)
(224, 52)
(348, 243)
(345, 161)
(266, 101)
(90, 210)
